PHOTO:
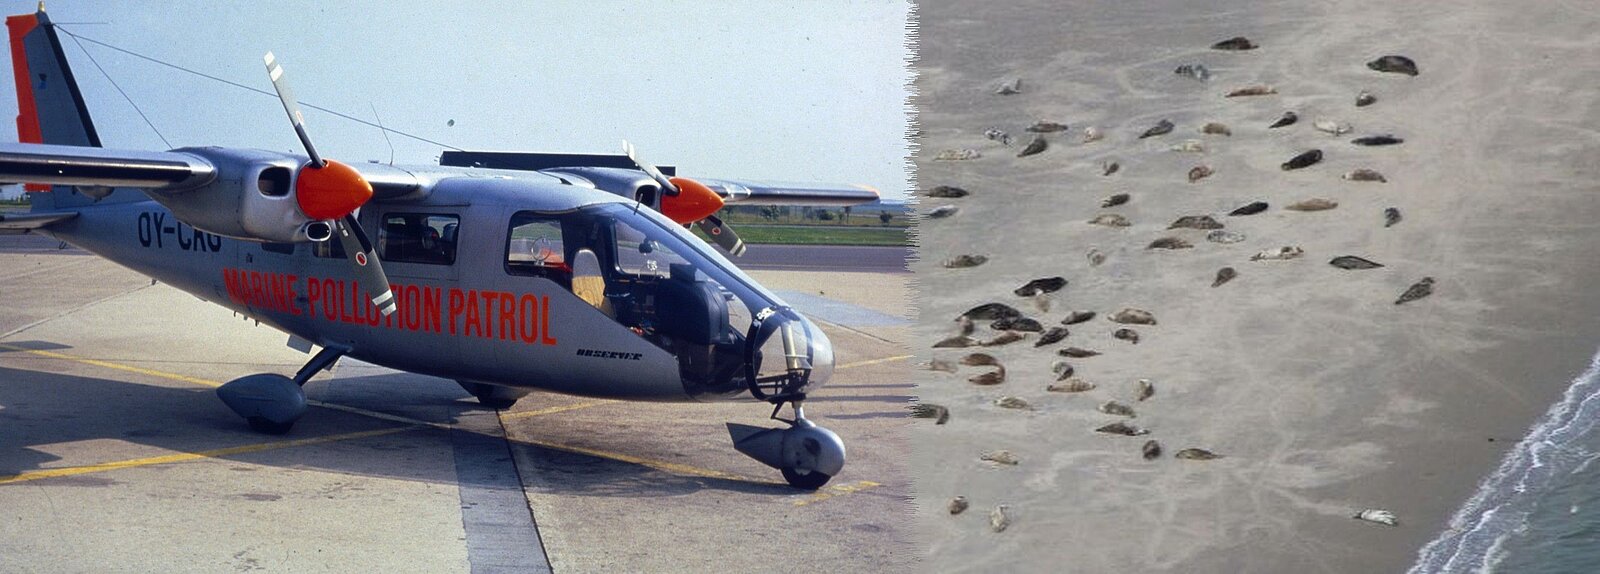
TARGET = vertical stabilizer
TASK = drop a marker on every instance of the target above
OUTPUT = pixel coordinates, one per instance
(50, 109)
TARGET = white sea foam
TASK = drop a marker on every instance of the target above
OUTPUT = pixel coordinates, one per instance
(1499, 509)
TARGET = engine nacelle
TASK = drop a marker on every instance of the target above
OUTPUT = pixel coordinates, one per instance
(630, 183)
(251, 198)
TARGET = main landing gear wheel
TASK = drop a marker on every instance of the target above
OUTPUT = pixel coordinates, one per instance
(804, 479)
(265, 426)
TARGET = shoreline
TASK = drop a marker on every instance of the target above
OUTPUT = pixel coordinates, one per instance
(1323, 396)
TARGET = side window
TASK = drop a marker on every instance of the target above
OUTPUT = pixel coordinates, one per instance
(534, 246)
(637, 254)
(418, 238)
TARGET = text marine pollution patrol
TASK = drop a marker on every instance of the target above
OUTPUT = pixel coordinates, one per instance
(470, 313)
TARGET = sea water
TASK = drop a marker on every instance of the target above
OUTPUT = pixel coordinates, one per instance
(1540, 510)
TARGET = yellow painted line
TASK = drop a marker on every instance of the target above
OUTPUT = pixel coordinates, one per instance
(872, 362)
(188, 456)
(837, 491)
(663, 466)
(111, 365)
(553, 410)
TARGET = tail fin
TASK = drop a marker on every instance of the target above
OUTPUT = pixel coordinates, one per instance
(50, 107)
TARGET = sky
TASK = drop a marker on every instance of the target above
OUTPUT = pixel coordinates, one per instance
(797, 91)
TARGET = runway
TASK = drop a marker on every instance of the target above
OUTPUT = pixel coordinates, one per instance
(116, 456)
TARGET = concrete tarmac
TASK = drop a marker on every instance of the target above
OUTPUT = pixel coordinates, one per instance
(115, 454)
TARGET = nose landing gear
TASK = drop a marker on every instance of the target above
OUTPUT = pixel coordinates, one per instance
(807, 455)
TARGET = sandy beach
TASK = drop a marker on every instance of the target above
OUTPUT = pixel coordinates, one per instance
(1321, 394)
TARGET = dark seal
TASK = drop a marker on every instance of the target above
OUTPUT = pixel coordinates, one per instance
(1303, 160)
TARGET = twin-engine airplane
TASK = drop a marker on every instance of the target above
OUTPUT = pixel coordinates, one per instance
(512, 271)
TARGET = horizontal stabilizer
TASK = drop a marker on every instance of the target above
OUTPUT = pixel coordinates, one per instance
(535, 161)
(13, 223)
(782, 193)
(99, 167)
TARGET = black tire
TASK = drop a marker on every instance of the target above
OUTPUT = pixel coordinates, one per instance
(809, 481)
(265, 426)
(496, 404)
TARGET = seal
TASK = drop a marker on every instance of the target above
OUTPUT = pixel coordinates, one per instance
(1151, 449)
(1062, 369)
(1385, 139)
(1196, 71)
(990, 312)
(1332, 127)
(957, 505)
(1391, 216)
(1256, 90)
(1284, 253)
(939, 413)
(1123, 429)
(1092, 134)
(1039, 286)
(1115, 200)
(1095, 257)
(989, 379)
(1169, 243)
(999, 519)
(1044, 127)
(1004, 338)
(1076, 317)
(1251, 208)
(1217, 129)
(1011, 87)
(1196, 454)
(1190, 146)
(1077, 353)
(1351, 262)
(1195, 222)
(1070, 386)
(1052, 336)
(1224, 275)
(1313, 204)
(1418, 290)
(1128, 335)
(1115, 408)
(1131, 316)
(965, 261)
(1305, 159)
(981, 360)
(1224, 237)
(1143, 390)
(1110, 220)
(1287, 119)
(1037, 145)
(1162, 127)
(947, 192)
(1013, 403)
(1394, 64)
(1109, 167)
(942, 211)
(1000, 457)
(956, 342)
(994, 134)
(1364, 175)
(1023, 324)
(1365, 99)
(1235, 43)
(1200, 172)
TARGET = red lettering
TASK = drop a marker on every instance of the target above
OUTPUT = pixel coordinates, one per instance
(488, 314)
(545, 322)
(294, 307)
(472, 315)
(528, 326)
(313, 294)
(508, 316)
(330, 299)
(430, 309)
(230, 278)
(456, 302)
(413, 308)
(255, 289)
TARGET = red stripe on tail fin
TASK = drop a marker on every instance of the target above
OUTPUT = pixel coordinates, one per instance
(27, 115)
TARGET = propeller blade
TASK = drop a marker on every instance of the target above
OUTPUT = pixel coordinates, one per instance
(722, 235)
(364, 261)
(293, 109)
(650, 170)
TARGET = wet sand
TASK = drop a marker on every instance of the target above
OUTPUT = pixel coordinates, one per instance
(1322, 395)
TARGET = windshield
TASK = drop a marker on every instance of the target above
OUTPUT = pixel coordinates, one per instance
(647, 243)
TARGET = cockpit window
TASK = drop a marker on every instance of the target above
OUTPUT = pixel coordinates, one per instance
(535, 246)
(419, 238)
(638, 254)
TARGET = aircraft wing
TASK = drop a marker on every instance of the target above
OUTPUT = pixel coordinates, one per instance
(748, 192)
(100, 167)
